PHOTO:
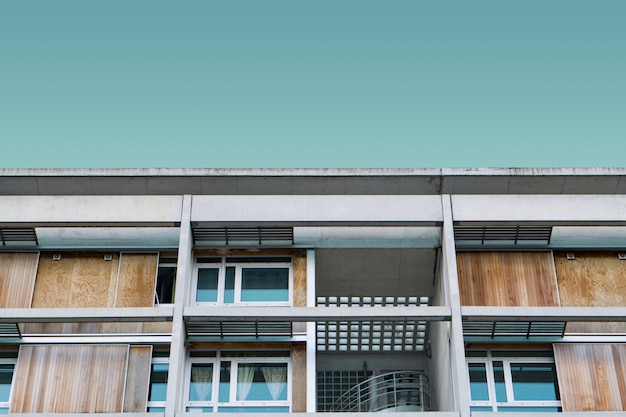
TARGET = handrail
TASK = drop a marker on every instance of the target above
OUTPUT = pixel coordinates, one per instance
(393, 391)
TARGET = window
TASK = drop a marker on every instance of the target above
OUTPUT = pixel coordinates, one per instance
(243, 280)
(513, 381)
(7, 366)
(166, 280)
(157, 392)
(236, 384)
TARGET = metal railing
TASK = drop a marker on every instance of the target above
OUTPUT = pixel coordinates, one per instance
(390, 392)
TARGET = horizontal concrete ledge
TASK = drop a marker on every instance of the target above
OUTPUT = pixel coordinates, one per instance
(299, 314)
(545, 414)
(591, 314)
(86, 315)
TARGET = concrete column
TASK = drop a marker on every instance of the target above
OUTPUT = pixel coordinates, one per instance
(451, 283)
(311, 331)
(176, 382)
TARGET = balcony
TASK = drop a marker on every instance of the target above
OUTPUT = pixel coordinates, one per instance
(390, 392)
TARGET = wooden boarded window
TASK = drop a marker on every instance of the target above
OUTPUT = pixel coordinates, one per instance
(507, 279)
(17, 278)
(70, 379)
(592, 377)
(593, 279)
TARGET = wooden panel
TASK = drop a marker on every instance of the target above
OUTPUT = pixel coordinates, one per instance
(137, 379)
(17, 278)
(299, 279)
(137, 280)
(595, 279)
(507, 279)
(592, 377)
(298, 383)
(79, 279)
(69, 379)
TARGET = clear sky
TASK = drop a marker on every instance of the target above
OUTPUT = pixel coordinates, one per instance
(317, 83)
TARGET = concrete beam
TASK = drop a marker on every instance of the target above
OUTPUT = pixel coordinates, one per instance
(368, 237)
(303, 314)
(588, 314)
(86, 315)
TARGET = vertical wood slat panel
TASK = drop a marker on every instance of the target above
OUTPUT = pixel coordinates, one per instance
(69, 379)
(594, 279)
(592, 377)
(299, 279)
(78, 279)
(298, 383)
(17, 279)
(138, 378)
(137, 280)
(507, 279)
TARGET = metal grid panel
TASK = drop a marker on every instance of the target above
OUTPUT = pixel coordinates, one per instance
(331, 385)
(22, 235)
(372, 335)
(237, 329)
(233, 235)
(527, 329)
(511, 234)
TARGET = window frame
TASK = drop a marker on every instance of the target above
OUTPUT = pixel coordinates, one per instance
(156, 404)
(8, 361)
(488, 359)
(215, 404)
(239, 267)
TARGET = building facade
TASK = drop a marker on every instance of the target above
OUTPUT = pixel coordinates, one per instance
(449, 292)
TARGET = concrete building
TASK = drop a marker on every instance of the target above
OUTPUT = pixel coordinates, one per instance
(449, 292)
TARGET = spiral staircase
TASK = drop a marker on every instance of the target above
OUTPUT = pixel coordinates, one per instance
(390, 392)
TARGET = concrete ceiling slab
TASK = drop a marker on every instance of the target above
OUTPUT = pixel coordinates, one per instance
(19, 186)
(375, 272)
(264, 185)
(119, 185)
(535, 185)
(590, 185)
(318, 185)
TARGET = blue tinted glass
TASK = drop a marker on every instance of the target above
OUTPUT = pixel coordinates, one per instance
(480, 408)
(253, 409)
(224, 394)
(534, 381)
(529, 409)
(156, 409)
(158, 382)
(229, 287)
(207, 285)
(265, 284)
(6, 374)
(201, 382)
(262, 382)
(498, 377)
(478, 381)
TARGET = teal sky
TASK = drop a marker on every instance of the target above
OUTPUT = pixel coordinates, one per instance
(318, 83)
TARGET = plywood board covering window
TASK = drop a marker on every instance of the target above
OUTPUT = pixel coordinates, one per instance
(593, 279)
(137, 280)
(507, 279)
(70, 379)
(17, 278)
(592, 377)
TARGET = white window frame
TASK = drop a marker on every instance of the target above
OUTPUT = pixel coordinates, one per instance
(508, 381)
(239, 266)
(216, 361)
(8, 361)
(157, 360)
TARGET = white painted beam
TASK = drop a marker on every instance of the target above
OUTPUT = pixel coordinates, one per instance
(250, 313)
(88, 315)
(309, 209)
(368, 237)
(587, 314)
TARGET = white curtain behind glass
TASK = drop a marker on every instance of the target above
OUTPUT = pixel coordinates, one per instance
(276, 378)
(202, 378)
(245, 376)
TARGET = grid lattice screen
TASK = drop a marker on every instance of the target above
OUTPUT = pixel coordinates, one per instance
(372, 335)
(333, 384)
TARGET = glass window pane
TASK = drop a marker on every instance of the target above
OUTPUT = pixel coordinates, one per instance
(158, 382)
(207, 285)
(229, 290)
(224, 394)
(262, 382)
(534, 381)
(201, 382)
(498, 377)
(529, 409)
(6, 374)
(265, 284)
(478, 381)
